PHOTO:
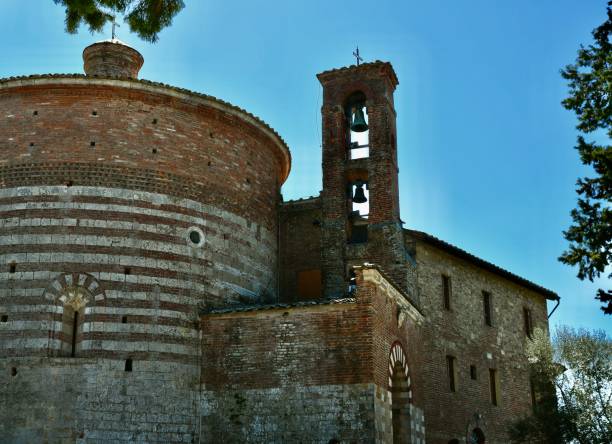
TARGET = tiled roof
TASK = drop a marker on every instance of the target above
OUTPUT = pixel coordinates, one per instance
(277, 306)
(456, 251)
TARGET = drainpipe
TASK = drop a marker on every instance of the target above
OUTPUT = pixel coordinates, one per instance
(555, 307)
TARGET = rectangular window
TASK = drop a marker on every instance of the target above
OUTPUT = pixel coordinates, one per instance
(446, 291)
(486, 300)
(528, 322)
(452, 376)
(473, 374)
(494, 386)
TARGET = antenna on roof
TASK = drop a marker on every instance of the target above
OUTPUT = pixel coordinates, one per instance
(357, 56)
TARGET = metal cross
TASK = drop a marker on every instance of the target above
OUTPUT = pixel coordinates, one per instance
(114, 25)
(357, 56)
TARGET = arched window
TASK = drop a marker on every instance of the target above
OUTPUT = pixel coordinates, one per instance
(74, 300)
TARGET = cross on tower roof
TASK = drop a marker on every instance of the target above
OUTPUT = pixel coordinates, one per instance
(357, 56)
(114, 22)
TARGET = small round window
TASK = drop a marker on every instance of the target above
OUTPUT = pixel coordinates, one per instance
(195, 237)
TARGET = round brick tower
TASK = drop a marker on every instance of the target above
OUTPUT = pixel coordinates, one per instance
(124, 206)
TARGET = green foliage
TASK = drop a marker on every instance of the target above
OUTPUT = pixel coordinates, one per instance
(573, 383)
(590, 97)
(144, 17)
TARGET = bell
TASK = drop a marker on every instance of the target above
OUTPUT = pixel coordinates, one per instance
(359, 196)
(359, 124)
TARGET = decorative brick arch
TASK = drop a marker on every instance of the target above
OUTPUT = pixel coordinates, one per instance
(398, 355)
(67, 288)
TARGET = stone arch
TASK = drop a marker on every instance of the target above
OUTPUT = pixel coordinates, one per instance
(401, 395)
(398, 356)
(60, 289)
(72, 293)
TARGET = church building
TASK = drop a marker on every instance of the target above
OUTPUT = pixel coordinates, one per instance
(156, 288)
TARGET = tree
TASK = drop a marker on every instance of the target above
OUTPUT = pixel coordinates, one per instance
(572, 380)
(144, 17)
(590, 97)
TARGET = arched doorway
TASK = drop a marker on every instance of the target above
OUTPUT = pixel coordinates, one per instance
(477, 436)
(401, 395)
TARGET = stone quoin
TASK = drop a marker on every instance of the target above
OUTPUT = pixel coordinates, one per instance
(155, 287)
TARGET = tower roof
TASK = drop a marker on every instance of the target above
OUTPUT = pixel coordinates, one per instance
(383, 67)
(112, 58)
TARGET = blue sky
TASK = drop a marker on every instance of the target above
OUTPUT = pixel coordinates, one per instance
(486, 152)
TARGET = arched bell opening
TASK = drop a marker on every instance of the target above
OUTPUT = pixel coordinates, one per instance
(358, 133)
(358, 205)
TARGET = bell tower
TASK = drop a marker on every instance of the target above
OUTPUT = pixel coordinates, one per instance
(360, 197)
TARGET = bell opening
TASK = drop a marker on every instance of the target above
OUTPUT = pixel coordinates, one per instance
(360, 199)
(359, 133)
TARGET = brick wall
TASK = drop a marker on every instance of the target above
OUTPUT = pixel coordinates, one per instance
(309, 373)
(463, 334)
(102, 184)
(300, 243)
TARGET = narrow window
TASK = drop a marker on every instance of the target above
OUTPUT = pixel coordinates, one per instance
(493, 386)
(486, 300)
(13, 371)
(533, 394)
(127, 271)
(12, 267)
(528, 322)
(128, 365)
(452, 377)
(4, 318)
(446, 291)
(473, 373)
(75, 324)
(124, 320)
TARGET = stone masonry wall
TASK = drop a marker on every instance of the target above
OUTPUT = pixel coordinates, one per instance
(462, 333)
(94, 401)
(295, 414)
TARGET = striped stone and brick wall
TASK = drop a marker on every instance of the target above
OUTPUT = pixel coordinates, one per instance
(125, 207)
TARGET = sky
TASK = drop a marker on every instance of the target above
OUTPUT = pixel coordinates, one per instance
(485, 148)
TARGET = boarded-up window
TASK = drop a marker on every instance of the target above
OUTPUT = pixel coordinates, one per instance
(309, 284)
